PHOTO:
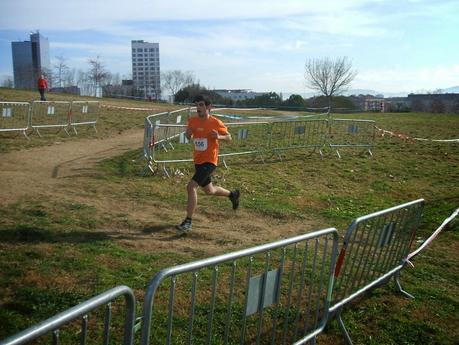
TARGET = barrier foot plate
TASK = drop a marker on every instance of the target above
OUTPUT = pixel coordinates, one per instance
(343, 329)
(399, 287)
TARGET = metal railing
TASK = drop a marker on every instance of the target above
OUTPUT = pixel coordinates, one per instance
(298, 134)
(81, 311)
(20, 116)
(156, 135)
(375, 249)
(14, 117)
(46, 114)
(164, 133)
(84, 113)
(275, 293)
(352, 133)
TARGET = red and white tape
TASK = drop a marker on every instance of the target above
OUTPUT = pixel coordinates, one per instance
(127, 108)
(407, 137)
(432, 237)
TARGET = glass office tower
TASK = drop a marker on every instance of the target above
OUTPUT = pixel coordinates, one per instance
(30, 59)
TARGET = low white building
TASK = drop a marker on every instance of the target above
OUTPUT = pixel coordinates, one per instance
(377, 104)
(239, 94)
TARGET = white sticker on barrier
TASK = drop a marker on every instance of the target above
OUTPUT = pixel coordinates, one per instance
(84, 110)
(300, 130)
(183, 139)
(7, 112)
(352, 129)
(242, 133)
(179, 119)
(50, 110)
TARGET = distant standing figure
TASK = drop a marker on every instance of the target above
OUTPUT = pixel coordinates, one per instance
(206, 132)
(42, 87)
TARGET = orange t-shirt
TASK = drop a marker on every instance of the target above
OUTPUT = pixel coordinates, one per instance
(205, 147)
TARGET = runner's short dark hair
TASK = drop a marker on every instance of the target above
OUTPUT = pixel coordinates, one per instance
(201, 98)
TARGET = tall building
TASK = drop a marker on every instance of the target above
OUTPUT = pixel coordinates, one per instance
(145, 68)
(30, 59)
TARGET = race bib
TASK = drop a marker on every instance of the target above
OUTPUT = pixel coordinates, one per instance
(200, 144)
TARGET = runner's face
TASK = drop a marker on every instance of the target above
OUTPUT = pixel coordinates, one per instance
(201, 109)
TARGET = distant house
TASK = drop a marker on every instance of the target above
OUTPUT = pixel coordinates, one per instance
(377, 105)
(435, 103)
(239, 94)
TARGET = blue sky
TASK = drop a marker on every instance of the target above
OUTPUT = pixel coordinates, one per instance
(395, 45)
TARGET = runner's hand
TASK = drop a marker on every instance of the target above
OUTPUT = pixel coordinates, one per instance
(214, 134)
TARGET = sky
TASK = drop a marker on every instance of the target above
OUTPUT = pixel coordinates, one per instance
(396, 46)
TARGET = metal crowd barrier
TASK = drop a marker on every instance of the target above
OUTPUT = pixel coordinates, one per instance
(375, 249)
(164, 133)
(163, 143)
(156, 136)
(248, 138)
(81, 311)
(84, 113)
(298, 134)
(14, 117)
(273, 293)
(47, 114)
(277, 293)
(352, 133)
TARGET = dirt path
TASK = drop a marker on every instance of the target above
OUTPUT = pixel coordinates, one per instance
(49, 171)
(42, 169)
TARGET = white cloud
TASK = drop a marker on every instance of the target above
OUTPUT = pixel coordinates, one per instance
(258, 44)
(72, 14)
(409, 80)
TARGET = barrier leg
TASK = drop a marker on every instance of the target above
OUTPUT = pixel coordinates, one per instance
(343, 329)
(339, 155)
(145, 170)
(165, 171)
(399, 286)
(25, 134)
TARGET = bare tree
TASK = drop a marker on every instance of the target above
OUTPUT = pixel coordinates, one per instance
(329, 77)
(60, 70)
(69, 77)
(7, 81)
(97, 73)
(82, 81)
(175, 80)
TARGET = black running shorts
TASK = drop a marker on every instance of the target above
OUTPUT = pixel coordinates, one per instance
(203, 173)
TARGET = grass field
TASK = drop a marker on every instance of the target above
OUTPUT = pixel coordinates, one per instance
(112, 226)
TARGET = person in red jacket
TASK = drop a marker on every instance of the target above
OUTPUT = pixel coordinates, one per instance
(206, 132)
(42, 87)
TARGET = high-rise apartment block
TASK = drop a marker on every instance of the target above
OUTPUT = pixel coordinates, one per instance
(145, 68)
(30, 59)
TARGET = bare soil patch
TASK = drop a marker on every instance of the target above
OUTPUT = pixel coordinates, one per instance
(65, 170)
